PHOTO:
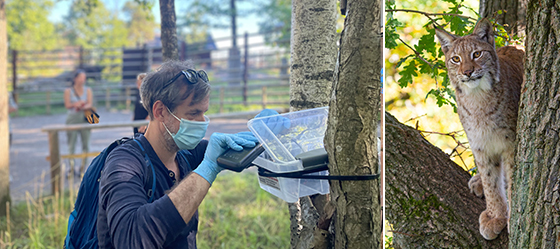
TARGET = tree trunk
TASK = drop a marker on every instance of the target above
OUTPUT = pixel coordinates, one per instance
(427, 198)
(351, 137)
(535, 195)
(313, 53)
(169, 44)
(4, 133)
(514, 13)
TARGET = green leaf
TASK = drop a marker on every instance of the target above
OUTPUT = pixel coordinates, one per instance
(407, 73)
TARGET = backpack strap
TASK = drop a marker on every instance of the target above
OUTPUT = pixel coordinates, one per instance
(149, 163)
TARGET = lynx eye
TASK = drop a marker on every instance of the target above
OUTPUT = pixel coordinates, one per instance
(477, 54)
(456, 59)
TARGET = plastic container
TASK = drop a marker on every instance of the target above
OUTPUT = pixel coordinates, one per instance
(285, 136)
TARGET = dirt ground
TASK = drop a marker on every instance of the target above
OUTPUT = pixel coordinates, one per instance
(29, 168)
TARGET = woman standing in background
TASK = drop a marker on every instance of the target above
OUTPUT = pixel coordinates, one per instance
(77, 98)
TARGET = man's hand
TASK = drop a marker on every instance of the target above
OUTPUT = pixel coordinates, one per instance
(218, 144)
(276, 124)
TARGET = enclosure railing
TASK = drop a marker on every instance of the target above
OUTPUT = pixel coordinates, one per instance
(54, 148)
(274, 93)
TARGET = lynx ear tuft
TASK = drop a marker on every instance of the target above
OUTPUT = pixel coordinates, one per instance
(484, 31)
(445, 39)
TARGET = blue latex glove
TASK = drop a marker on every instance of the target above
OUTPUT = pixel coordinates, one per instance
(275, 124)
(218, 144)
(247, 135)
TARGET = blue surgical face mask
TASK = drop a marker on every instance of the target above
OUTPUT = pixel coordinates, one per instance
(190, 133)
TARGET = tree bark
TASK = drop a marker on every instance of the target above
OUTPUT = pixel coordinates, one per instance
(313, 53)
(169, 44)
(427, 198)
(4, 132)
(535, 190)
(514, 13)
(351, 137)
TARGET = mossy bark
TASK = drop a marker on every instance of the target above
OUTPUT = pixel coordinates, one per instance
(535, 191)
(169, 45)
(351, 137)
(313, 55)
(427, 198)
(4, 132)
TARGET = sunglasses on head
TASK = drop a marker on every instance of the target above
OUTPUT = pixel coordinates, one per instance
(192, 77)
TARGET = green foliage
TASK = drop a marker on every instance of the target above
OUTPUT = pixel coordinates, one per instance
(236, 213)
(426, 57)
(28, 26)
(90, 25)
(278, 22)
(140, 22)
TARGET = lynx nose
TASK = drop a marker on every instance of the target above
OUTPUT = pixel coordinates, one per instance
(468, 72)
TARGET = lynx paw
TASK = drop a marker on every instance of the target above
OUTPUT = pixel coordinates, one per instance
(475, 185)
(491, 227)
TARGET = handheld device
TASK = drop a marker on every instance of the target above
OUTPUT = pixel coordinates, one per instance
(239, 160)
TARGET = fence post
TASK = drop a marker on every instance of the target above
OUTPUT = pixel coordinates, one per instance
(107, 98)
(48, 102)
(245, 69)
(127, 92)
(221, 99)
(55, 161)
(14, 74)
(81, 57)
(264, 97)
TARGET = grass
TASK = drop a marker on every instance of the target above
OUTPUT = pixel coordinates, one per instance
(236, 213)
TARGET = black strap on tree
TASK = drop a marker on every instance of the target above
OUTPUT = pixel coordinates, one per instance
(304, 174)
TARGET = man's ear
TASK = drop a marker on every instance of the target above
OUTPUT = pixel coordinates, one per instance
(159, 110)
(484, 31)
(445, 39)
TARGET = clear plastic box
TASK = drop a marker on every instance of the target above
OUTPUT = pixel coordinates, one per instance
(285, 136)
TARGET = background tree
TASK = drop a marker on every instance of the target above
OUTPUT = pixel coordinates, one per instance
(141, 23)
(351, 137)
(169, 41)
(311, 78)
(511, 12)
(534, 216)
(29, 27)
(278, 23)
(91, 25)
(4, 133)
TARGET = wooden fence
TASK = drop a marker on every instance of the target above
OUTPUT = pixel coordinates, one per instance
(254, 63)
(111, 96)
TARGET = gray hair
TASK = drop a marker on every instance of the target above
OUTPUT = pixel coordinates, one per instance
(172, 96)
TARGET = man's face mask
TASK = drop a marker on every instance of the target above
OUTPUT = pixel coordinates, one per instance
(190, 133)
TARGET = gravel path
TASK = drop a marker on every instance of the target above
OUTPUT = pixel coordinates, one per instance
(29, 169)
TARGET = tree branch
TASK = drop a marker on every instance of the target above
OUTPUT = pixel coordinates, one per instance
(429, 14)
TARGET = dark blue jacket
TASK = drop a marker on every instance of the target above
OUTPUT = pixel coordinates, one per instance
(125, 218)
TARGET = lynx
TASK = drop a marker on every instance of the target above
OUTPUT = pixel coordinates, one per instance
(487, 84)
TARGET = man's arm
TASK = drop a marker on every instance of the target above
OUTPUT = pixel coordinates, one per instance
(132, 221)
(188, 195)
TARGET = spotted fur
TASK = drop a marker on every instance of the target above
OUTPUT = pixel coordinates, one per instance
(487, 84)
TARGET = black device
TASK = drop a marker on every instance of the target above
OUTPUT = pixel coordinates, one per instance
(239, 160)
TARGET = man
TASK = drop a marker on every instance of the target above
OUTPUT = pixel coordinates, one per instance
(140, 113)
(176, 98)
